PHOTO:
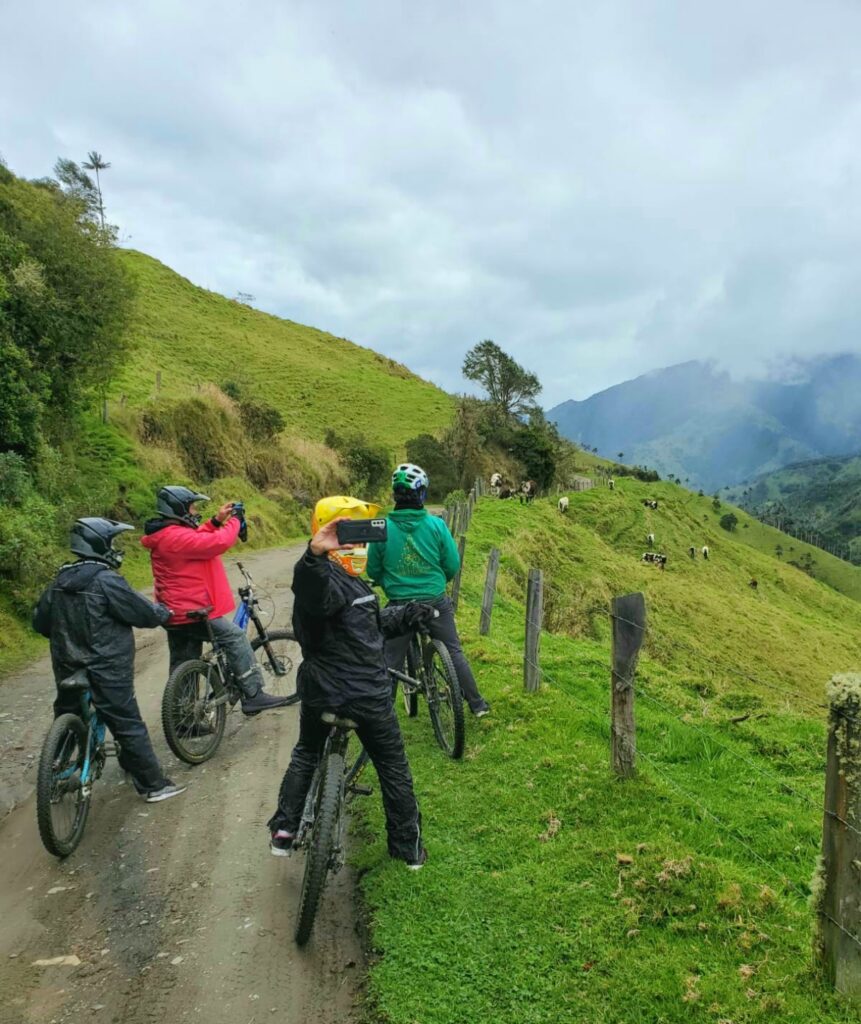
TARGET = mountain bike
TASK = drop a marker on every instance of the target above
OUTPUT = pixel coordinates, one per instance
(431, 672)
(200, 692)
(73, 757)
(276, 650)
(322, 828)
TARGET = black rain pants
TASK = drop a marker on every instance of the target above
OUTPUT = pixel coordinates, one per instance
(117, 706)
(381, 737)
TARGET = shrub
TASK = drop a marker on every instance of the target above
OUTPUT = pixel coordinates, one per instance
(368, 464)
(729, 521)
(429, 453)
(15, 481)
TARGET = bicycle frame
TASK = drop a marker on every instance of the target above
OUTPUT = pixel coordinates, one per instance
(336, 742)
(95, 740)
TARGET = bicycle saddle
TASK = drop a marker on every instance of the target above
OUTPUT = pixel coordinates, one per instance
(77, 681)
(330, 718)
(199, 613)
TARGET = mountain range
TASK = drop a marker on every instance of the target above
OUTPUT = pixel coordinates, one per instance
(711, 430)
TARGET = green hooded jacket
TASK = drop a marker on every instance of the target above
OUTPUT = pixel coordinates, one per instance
(418, 559)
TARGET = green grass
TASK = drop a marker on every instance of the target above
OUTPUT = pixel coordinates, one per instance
(525, 910)
(314, 379)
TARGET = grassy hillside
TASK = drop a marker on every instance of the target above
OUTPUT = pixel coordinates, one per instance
(314, 379)
(553, 892)
(191, 432)
(820, 495)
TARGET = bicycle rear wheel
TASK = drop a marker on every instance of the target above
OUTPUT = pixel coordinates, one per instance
(278, 655)
(414, 663)
(445, 700)
(322, 844)
(61, 803)
(193, 727)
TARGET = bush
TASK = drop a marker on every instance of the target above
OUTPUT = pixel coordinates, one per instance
(729, 521)
(15, 481)
(368, 465)
(429, 453)
(262, 421)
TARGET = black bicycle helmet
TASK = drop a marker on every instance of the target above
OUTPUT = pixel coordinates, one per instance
(92, 537)
(174, 502)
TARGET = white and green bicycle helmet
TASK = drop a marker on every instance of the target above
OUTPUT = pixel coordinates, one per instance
(408, 479)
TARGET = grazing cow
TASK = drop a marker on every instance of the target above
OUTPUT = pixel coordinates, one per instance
(496, 483)
(611, 483)
(692, 551)
(563, 503)
(655, 559)
(505, 492)
(706, 552)
(650, 539)
(528, 490)
(754, 585)
(650, 503)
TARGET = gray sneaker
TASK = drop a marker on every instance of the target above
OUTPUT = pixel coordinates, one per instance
(168, 790)
(481, 710)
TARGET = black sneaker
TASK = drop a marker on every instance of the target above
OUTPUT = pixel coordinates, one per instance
(281, 843)
(167, 791)
(481, 710)
(261, 701)
(417, 865)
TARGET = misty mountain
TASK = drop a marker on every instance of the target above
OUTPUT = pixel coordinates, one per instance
(700, 424)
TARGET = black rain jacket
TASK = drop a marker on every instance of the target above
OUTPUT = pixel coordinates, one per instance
(342, 630)
(88, 613)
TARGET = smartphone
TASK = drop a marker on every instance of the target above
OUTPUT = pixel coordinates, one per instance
(361, 531)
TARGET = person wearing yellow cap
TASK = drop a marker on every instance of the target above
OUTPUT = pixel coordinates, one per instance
(342, 631)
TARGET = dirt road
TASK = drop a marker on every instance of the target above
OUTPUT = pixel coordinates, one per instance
(176, 911)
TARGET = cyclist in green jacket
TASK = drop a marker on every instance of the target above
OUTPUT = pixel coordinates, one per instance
(414, 564)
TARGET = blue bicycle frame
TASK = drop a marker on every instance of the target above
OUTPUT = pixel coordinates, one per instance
(95, 738)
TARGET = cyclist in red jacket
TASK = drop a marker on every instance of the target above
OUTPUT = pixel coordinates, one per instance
(189, 574)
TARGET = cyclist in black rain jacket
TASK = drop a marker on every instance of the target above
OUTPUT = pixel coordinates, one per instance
(88, 613)
(341, 630)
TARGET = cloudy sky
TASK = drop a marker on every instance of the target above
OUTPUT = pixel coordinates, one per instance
(601, 187)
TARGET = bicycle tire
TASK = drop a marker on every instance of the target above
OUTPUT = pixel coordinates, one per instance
(57, 844)
(452, 741)
(414, 664)
(280, 686)
(179, 719)
(321, 846)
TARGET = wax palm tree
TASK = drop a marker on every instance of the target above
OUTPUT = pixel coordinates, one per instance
(94, 162)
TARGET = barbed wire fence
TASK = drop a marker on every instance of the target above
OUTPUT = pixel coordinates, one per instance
(834, 892)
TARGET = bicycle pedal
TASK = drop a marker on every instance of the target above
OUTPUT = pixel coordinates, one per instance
(361, 790)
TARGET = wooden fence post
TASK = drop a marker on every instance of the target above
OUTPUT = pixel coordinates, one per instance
(455, 587)
(489, 592)
(836, 890)
(628, 617)
(534, 620)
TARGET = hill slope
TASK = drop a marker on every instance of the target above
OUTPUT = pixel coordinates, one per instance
(711, 430)
(819, 495)
(553, 892)
(315, 380)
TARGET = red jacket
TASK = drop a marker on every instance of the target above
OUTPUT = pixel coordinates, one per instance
(186, 566)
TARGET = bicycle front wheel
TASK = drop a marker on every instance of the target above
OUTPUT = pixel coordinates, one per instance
(445, 700)
(278, 655)
(62, 804)
(193, 724)
(322, 844)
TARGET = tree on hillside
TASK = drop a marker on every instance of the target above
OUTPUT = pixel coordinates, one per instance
(77, 185)
(432, 455)
(534, 448)
(729, 521)
(509, 386)
(620, 455)
(94, 162)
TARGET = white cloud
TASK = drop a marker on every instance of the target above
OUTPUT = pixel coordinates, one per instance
(601, 188)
